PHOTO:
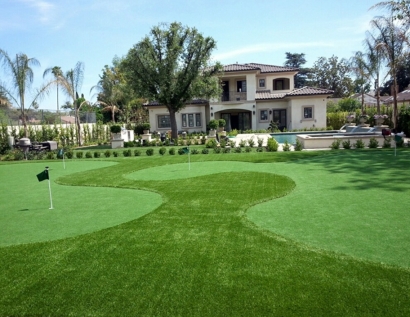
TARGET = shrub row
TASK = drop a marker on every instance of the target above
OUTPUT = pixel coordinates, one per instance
(359, 144)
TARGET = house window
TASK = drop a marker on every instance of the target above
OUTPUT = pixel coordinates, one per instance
(198, 119)
(191, 120)
(281, 84)
(241, 85)
(262, 83)
(164, 121)
(308, 112)
(263, 115)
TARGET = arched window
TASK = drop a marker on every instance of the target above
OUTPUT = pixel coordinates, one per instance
(281, 84)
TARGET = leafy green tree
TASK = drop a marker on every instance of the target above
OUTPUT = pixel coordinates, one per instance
(330, 73)
(297, 60)
(349, 105)
(172, 66)
(21, 78)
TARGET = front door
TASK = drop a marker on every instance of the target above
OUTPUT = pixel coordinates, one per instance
(279, 116)
(240, 121)
(227, 118)
(244, 120)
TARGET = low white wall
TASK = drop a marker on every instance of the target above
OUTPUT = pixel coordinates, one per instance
(315, 142)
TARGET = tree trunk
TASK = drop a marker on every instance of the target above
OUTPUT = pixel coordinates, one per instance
(174, 127)
(395, 114)
(378, 95)
(362, 100)
(24, 122)
(77, 120)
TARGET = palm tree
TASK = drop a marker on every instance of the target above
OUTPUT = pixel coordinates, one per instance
(21, 78)
(109, 91)
(57, 73)
(400, 9)
(390, 44)
(71, 83)
(374, 60)
(361, 69)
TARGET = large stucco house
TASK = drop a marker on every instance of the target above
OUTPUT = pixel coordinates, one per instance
(253, 95)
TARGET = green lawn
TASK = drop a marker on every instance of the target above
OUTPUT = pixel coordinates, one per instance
(251, 234)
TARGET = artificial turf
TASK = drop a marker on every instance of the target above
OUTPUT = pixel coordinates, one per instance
(198, 254)
(26, 217)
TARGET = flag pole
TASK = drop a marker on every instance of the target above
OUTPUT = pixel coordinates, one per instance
(49, 189)
(63, 160)
(189, 159)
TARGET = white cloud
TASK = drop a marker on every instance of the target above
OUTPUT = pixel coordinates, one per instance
(269, 47)
(357, 26)
(45, 9)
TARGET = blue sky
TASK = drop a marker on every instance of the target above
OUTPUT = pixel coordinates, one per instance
(62, 32)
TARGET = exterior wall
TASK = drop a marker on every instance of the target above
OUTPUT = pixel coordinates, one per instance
(269, 106)
(155, 111)
(270, 78)
(250, 86)
(297, 121)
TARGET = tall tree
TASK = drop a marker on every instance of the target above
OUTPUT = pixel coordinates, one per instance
(399, 9)
(57, 73)
(297, 60)
(21, 78)
(111, 89)
(71, 83)
(332, 74)
(374, 62)
(361, 69)
(391, 45)
(172, 66)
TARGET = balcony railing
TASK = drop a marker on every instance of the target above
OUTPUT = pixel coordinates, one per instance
(233, 96)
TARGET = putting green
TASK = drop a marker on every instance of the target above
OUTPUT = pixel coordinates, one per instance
(355, 205)
(184, 170)
(343, 204)
(25, 216)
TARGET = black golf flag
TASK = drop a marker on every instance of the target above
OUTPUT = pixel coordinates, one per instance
(42, 176)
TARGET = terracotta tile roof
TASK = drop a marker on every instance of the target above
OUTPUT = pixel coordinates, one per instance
(258, 67)
(305, 91)
(266, 94)
(237, 68)
(401, 97)
(192, 102)
(272, 68)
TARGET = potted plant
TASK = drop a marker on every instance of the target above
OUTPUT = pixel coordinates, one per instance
(350, 118)
(115, 128)
(145, 127)
(213, 125)
(116, 131)
(221, 125)
(363, 118)
(379, 118)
